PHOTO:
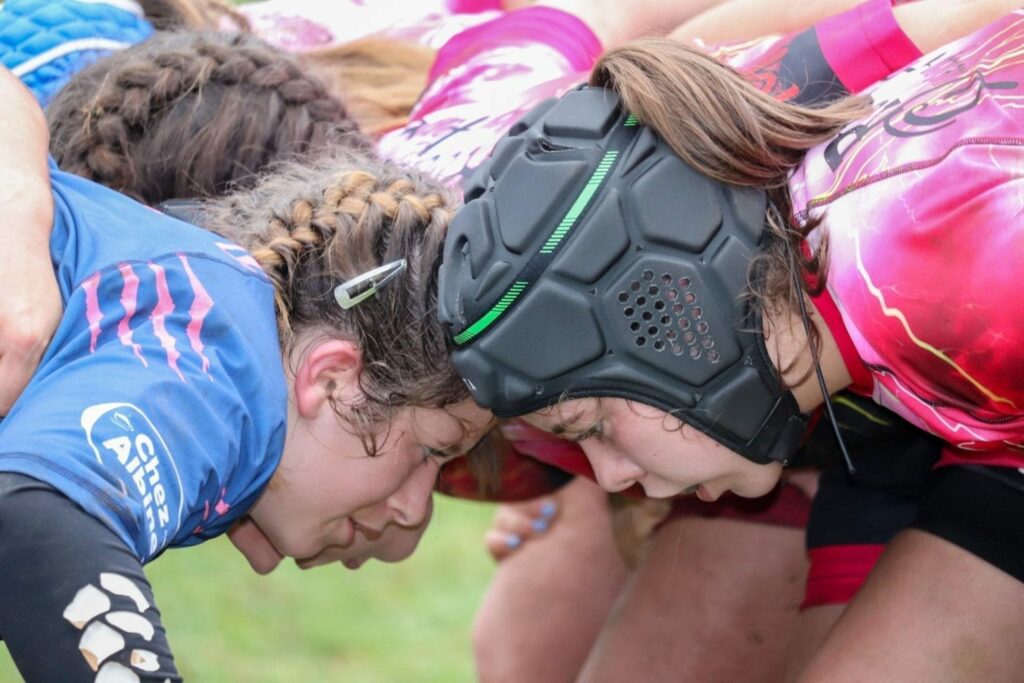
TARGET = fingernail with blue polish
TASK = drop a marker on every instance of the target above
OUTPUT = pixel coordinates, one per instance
(540, 525)
(548, 509)
(513, 541)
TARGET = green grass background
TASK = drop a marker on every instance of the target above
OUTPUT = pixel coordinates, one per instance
(407, 622)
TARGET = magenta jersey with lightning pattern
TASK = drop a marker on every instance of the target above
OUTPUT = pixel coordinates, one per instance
(923, 203)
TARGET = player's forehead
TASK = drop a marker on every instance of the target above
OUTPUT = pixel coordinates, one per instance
(566, 417)
(456, 428)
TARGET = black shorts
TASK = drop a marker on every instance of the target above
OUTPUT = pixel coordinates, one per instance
(980, 509)
(896, 486)
(74, 600)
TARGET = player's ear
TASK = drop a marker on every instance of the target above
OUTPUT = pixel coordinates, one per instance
(327, 373)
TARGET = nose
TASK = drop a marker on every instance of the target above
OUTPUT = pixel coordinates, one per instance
(614, 472)
(410, 504)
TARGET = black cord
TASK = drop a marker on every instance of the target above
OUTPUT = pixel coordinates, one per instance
(821, 382)
(814, 356)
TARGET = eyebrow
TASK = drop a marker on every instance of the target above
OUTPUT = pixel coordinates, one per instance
(570, 427)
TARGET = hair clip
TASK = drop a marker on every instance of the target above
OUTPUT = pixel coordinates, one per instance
(362, 287)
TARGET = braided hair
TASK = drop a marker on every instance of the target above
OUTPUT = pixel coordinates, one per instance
(187, 115)
(314, 225)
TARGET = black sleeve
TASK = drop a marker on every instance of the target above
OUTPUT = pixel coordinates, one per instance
(74, 601)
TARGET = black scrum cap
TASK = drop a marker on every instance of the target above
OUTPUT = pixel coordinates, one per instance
(590, 260)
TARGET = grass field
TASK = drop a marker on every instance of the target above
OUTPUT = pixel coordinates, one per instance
(405, 623)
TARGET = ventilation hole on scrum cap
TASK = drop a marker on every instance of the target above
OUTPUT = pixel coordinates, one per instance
(628, 311)
(665, 320)
(648, 275)
(634, 327)
(653, 331)
(666, 279)
(677, 350)
(694, 353)
(623, 297)
(697, 312)
(689, 298)
(653, 290)
(671, 335)
(672, 294)
(634, 285)
(677, 309)
(641, 301)
(689, 338)
(684, 282)
(659, 305)
(659, 345)
(713, 356)
(702, 327)
(684, 324)
(647, 315)
(707, 342)
(641, 341)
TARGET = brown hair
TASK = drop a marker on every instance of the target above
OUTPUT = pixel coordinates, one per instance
(379, 79)
(729, 130)
(316, 224)
(197, 15)
(191, 115)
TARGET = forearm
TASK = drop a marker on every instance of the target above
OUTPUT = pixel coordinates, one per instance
(31, 308)
(615, 22)
(931, 24)
(26, 204)
(739, 20)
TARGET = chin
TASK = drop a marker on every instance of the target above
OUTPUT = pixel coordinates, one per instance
(760, 486)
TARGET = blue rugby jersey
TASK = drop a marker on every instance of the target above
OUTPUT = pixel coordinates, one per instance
(160, 405)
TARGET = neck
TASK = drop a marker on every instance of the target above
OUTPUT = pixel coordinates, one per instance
(790, 351)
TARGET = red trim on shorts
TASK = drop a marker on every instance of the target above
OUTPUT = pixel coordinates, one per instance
(837, 572)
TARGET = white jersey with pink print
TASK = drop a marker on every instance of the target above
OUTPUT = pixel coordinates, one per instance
(299, 25)
(923, 203)
(484, 80)
(488, 76)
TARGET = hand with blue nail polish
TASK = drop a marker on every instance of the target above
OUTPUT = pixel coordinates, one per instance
(516, 523)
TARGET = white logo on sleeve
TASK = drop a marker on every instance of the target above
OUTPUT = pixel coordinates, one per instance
(121, 433)
(111, 635)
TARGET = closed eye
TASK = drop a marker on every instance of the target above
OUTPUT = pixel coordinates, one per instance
(592, 432)
(438, 455)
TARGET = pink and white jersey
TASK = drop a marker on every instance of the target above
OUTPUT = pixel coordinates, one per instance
(484, 80)
(923, 202)
(488, 76)
(298, 25)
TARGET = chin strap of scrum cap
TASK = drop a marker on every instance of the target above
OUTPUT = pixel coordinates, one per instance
(590, 260)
